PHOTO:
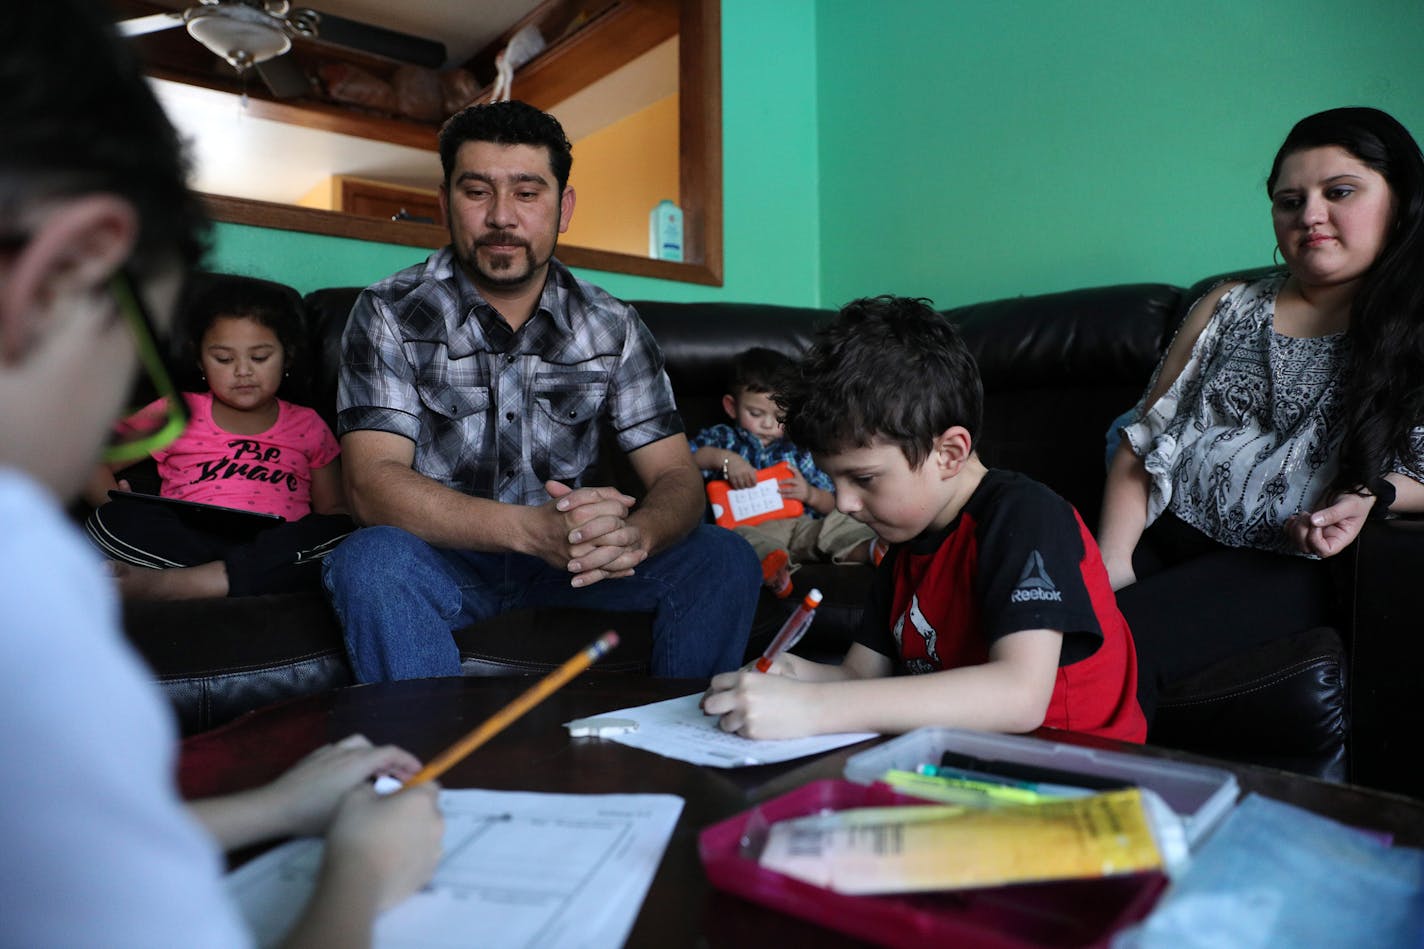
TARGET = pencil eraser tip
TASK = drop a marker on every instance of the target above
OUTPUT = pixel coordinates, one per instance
(602, 727)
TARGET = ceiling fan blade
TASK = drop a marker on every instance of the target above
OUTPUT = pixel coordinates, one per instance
(152, 23)
(284, 77)
(383, 42)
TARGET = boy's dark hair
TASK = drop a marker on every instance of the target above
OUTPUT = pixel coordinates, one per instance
(213, 296)
(887, 367)
(759, 370)
(507, 123)
(80, 118)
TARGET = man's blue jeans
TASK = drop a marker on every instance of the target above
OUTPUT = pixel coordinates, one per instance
(399, 599)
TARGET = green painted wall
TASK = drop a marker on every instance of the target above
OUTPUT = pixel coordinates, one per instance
(306, 261)
(770, 186)
(974, 150)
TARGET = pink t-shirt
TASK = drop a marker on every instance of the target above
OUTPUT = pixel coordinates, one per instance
(269, 472)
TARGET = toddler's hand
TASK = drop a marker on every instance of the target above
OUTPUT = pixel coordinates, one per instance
(740, 473)
(796, 487)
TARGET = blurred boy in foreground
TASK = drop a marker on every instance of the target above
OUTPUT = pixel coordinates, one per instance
(95, 221)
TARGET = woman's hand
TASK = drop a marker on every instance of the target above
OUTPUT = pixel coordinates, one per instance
(1331, 529)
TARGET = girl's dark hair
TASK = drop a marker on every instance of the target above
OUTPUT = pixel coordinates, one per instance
(1384, 389)
(214, 296)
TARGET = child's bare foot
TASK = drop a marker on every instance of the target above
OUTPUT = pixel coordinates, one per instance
(174, 583)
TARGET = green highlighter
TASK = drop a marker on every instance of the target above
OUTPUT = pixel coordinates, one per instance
(965, 791)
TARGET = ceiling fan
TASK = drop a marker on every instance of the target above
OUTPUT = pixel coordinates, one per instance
(257, 33)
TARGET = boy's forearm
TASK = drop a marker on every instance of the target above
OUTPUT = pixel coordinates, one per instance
(341, 913)
(237, 820)
(986, 697)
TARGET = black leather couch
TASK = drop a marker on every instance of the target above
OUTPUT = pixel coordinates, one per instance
(1057, 368)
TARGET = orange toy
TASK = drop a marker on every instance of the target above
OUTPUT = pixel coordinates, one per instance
(722, 496)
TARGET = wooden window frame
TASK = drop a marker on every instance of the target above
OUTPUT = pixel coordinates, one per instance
(700, 133)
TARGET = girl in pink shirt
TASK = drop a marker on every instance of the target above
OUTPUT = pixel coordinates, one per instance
(244, 448)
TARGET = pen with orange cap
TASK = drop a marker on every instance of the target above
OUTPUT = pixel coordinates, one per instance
(791, 631)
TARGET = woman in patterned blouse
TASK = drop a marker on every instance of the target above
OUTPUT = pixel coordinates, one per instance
(1286, 411)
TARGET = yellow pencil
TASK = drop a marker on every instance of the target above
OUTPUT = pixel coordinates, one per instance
(499, 721)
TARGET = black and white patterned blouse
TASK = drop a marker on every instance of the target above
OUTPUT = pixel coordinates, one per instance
(1248, 433)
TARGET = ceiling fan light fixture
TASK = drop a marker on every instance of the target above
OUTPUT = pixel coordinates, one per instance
(242, 35)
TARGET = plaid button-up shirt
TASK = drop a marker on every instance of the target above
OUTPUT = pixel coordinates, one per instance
(495, 413)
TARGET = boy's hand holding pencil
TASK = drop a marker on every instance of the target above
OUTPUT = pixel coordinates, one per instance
(763, 705)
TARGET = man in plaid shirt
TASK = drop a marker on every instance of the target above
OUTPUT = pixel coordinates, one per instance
(474, 391)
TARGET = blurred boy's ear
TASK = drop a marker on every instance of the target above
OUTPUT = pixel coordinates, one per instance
(729, 405)
(952, 449)
(77, 247)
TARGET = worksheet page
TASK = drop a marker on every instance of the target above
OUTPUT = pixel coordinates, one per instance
(677, 728)
(520, 869)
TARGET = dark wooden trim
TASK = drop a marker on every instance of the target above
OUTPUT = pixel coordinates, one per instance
(700, 134)
(614, 38)
(309, 113)
(612, 262)
(288, 217)
(700, 141)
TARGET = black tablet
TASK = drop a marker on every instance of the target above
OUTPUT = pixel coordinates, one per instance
(224, 521)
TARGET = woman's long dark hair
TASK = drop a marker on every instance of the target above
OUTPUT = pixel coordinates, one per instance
(1383, 394)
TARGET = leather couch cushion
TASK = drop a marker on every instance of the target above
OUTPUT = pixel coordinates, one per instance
(218, 658)
(1282, 704)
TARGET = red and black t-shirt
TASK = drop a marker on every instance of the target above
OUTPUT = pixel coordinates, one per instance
(1017, 557)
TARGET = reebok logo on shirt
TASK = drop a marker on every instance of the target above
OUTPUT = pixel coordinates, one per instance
(1034, 584)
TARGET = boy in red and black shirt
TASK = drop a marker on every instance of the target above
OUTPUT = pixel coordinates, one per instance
(993, 597)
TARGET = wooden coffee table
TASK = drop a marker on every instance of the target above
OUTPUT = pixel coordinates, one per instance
(536, 754)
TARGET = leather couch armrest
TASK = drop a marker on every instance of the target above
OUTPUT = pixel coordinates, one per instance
(1384, 599)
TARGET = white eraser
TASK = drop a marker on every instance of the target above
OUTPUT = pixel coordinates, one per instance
(386, 784)
(600, 727)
